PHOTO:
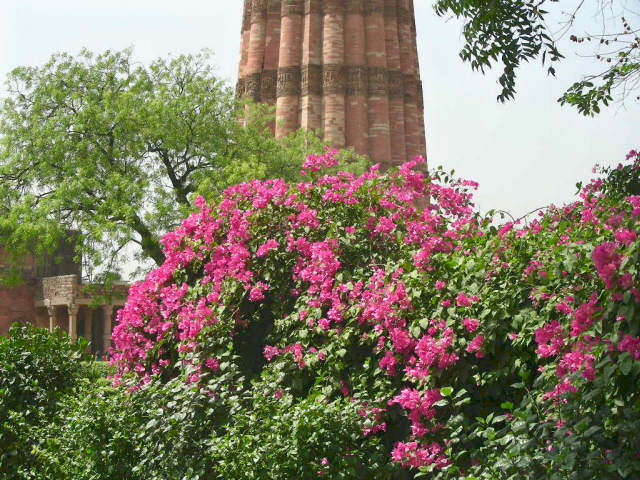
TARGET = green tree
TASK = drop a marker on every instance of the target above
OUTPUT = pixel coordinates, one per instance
(515, 32)
(116, 150)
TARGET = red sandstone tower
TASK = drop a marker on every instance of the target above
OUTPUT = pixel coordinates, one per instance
(349, 67)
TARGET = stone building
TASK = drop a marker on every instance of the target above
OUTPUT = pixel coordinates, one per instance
(348, 67)
(52, 294)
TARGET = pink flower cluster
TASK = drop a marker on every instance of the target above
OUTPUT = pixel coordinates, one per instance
(550, 339)
(560, 391)
(313, 163)
(634, 200)
(476, 345)
(630, 344)
(433, 350)
(607, 262)
(414, 454)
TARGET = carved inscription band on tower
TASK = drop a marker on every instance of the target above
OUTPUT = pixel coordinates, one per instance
(349, 67)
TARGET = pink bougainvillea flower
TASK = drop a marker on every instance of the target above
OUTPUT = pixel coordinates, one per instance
(630, 344)
(269, 352)
(550, 339)
(475, 346)
(212, 364)
(560, 390)
(607, 262)
(470, 324)
(266, 247)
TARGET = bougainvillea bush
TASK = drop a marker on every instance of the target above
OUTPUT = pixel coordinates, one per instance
(332, 329)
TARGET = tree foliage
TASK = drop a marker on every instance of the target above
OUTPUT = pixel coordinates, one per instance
(514, 32)
(116, 150)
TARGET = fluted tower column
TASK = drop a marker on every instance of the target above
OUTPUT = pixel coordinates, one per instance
(289, 70)
(379, 128)
(253, 67)
(349, 67)
(333, 80)
(396, 83)
(244, 48)
(269, 80)
(311, 79)
(411, 78)
(356, 115)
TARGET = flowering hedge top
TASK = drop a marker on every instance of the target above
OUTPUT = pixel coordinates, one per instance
(429, 319)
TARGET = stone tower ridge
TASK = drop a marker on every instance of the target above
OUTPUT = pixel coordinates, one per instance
(348, 67)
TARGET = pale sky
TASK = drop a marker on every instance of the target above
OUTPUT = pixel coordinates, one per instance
(525, 154)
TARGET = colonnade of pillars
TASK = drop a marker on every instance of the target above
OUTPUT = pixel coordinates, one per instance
(94, 324)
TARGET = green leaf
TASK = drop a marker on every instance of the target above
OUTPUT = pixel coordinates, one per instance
(591, 430)
(507, 405)
(625, 363)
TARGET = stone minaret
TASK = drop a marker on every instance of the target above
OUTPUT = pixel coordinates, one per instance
(349, 67)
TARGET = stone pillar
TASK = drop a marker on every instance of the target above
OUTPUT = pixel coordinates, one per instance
(333, 79)
(257, 42)
(422, 129)
(245, 34)
(107, 311)
(396, 83)
(52, 317)
(411, 80)
(88, 331)
(289, 71)
(73, 321)
(268, 88)
(420, 96)
(378, 78)
(311, 75)
(244, 38)
(356, 116)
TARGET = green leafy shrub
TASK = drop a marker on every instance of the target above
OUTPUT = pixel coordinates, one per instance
(90, 438)
(36, 370)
